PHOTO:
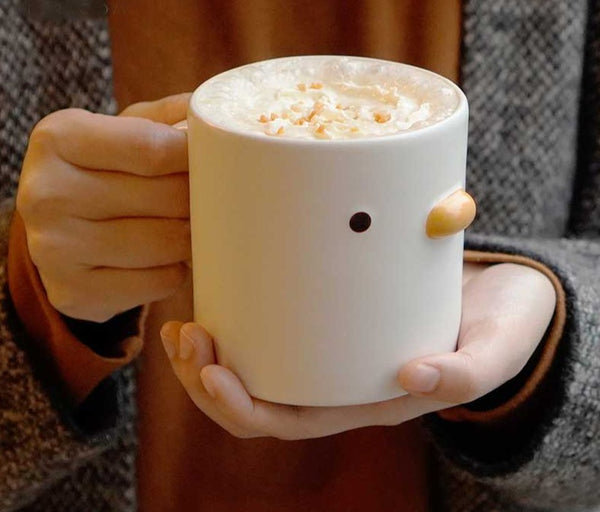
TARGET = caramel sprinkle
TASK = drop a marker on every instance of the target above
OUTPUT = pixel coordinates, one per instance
(263, 118)
(301, 87)
(316, 85)
(318, 108)
(382, 117)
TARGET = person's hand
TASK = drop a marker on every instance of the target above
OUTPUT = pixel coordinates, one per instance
(104, 201)
(506, 310)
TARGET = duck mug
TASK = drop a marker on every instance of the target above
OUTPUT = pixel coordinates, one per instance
(327, 257)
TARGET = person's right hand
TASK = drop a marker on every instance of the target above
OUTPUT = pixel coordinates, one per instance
(104, 201)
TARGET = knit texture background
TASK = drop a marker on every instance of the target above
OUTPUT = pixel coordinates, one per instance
(522, 66)
(585, 220)
(559, 459)
(46, 66)
(531, 71)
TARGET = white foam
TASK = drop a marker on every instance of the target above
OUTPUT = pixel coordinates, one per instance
(326, 98)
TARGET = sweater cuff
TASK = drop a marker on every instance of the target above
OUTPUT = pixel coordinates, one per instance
(517, 401)
(79, 367)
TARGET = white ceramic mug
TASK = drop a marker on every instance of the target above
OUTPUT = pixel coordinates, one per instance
(304, 309)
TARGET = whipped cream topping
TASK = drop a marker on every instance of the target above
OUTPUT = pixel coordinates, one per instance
(326, 98)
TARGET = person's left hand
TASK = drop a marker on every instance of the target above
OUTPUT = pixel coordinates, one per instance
(506, 310)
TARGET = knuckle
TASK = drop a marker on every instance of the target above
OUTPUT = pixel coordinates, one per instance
(158, 149)
(44, 133)
(44, 249)
(51, 129)
(154, 145)
(36, 197)
(25, 201)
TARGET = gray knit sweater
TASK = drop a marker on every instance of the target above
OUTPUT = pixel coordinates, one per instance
(531, 70)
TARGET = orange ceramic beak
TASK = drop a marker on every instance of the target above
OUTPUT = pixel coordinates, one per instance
(450, 215)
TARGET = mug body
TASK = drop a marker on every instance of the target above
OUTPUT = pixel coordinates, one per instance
(311, 265)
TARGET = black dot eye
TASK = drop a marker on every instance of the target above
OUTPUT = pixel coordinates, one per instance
(360, 222)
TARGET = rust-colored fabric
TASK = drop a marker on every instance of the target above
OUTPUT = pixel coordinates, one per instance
(184, 458)
(180, 43)
(76, 366)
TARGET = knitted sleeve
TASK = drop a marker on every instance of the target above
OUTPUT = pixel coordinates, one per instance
(551, 461)
(531, 71)
(42, 438)
(49, 64)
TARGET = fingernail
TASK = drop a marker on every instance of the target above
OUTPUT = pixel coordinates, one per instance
(424, 379)
(181, 125)
(187, 344)
(168, 344)
(208, 385)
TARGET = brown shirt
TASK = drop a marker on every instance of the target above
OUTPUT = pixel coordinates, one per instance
(187, 462)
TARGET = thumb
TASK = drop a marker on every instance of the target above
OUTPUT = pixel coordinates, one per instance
(454, 378)
(168, 110)
(507, 310)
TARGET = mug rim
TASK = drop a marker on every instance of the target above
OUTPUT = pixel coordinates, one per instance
(420, 132)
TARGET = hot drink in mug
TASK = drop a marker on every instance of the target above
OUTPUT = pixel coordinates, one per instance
(327, 211)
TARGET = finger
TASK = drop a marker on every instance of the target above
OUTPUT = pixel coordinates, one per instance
(99, 195)
(190, 348)
(219, 393)
(169, 110)
(506, 310)
(249, 414)
(111, 290)
(222, 396)
(190, 343)
(292, 422)
(129, 243)
(127, 144)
